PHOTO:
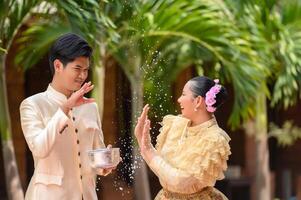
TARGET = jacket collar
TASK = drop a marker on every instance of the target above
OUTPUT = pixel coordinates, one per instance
(55, 95)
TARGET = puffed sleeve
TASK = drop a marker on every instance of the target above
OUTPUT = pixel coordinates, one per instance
(204, 165)
(41, 138)
(166, 125)
(211, 155)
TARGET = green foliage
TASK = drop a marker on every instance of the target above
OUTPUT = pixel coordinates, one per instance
(276, 27)
(39, 41)
(162, 38)
(286, 135)
(273, 28)
(249, 44)
(12, 15)
(286, 91)
(60, 17)
(152, 39)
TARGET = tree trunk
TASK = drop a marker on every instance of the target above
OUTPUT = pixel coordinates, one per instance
(98, 91)
(99, 78)
(261, 186)
(141, 184)
(12, 179)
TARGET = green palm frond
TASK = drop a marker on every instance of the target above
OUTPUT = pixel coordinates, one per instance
(286, 91)
(278, 26)
(81, 17)
(13, 14)
(36, 41)
(207, 25)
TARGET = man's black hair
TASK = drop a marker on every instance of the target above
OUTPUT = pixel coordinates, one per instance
(67, 48)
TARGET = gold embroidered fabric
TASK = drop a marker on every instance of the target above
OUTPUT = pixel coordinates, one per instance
(190, 158)
(207, 193)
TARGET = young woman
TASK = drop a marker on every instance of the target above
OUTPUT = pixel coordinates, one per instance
(192, 150)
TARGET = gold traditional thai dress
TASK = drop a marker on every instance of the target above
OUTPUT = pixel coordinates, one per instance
(189, 160)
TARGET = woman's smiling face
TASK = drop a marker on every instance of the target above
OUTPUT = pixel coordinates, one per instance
(187, 101)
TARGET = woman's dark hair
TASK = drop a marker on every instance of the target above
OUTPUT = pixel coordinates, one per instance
(67, 48)
(200, 85)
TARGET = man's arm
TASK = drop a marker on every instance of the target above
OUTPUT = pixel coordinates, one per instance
(41, 138)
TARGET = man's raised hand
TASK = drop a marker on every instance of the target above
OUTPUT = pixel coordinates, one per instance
(77, 98)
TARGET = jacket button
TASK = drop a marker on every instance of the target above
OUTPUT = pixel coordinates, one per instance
(76, 130)
(81, 177)
(73, 118)
(78, 153)
(79, 165)
(77, 141)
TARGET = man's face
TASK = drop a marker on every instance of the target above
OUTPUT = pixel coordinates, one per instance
(74, 74)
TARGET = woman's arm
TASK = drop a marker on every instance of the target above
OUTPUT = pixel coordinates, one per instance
(171, 178)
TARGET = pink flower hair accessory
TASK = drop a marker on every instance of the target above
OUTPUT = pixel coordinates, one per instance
(211, 95)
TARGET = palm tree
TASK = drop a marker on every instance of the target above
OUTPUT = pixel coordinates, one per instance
(155, 33)
(13, 14)
(12, 17)
(277, 29)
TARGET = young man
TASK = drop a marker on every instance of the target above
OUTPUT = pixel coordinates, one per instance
(60, 125)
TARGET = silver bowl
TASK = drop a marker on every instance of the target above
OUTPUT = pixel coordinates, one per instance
(104, 157)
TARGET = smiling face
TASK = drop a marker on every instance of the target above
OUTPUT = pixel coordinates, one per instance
(74, 74)
(188, 102)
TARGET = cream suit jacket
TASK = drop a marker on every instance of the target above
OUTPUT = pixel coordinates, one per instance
(59, 145)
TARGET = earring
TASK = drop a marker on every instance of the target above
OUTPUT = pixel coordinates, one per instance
(195, 109)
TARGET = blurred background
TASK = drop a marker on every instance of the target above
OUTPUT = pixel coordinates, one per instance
(144, 52)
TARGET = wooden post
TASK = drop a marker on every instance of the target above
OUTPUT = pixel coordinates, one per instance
(298, 189)
(286, 184)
